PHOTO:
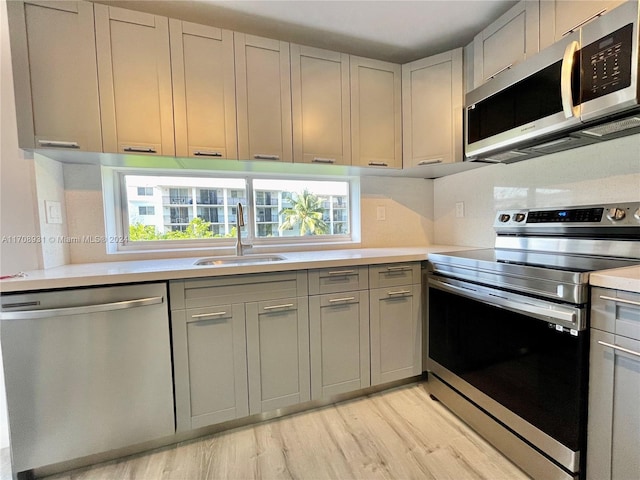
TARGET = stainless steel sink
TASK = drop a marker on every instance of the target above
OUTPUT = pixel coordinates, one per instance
(236, 260)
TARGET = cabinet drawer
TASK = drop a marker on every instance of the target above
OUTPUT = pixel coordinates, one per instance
(393, 274)
(616, 312)
(220, 291)
(339, 279)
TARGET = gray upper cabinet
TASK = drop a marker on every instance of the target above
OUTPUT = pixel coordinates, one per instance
(376, 113)
(560, 17)
(204, 103)
(134, 73)
(432, 97)
(321, 106)
(396, 322)
(614, 386)
(263, 94)
(507, 41)
(55, 79)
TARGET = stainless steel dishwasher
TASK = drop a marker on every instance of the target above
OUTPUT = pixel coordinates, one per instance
(86, 371)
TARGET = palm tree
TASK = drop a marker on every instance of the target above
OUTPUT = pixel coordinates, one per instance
(306, 212)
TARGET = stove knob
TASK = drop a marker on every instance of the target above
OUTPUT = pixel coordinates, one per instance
(519, 217)
(504, 218)
(637, 214)
(616, 214)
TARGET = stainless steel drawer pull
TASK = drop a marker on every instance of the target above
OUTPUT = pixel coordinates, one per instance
(429, 162)
(342, 272)
(616, 347)
(80, 310)
(343, 299)
(205, 315)
(57, 144)
(324, 160)
(500, 71)
(397, 269)
(399, 292)
(207, 154)
(574, 28)
(378, 164)
(139, 149)
(273, 307)
(260, 156)
(620, 300)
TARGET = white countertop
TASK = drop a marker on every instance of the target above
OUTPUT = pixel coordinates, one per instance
(110, 273)
(627, 278)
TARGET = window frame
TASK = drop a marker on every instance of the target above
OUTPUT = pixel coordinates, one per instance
(117, 215)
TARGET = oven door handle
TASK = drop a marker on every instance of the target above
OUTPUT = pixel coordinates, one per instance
(537, 311)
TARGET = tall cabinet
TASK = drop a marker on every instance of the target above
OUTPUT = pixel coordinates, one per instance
(263, 94)
(134, 71)
(321, 108)
(204, 100)
(432, 98)
(55, 80)
(614, 386)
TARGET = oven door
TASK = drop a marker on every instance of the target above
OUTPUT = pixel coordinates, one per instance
(513, 357)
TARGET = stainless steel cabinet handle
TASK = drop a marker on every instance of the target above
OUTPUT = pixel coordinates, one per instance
(574, 28)
(616, 347)
(344, 299)
(620, 300)
(207, 154)
(378, 164)
(205, 315)
(273, 307)
(260, 156)
(324, 160)
(139, 149)
(342, 272)
(566, 94)
(500, 71)
(429, 162)
(399, 292)
(57, 144)
(82, 310)
(397, 269)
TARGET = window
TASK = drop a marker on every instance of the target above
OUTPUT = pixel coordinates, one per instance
(189, 210)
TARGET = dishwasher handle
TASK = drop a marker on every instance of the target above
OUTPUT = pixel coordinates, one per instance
(80, 310)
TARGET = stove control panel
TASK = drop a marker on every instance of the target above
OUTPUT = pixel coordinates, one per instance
(619, 214)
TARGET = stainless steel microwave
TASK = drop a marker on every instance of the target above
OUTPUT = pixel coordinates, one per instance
(582, 89)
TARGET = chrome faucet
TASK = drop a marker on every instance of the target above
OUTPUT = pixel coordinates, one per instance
(239, 224)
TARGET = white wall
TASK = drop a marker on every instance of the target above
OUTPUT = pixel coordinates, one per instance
(606, 172)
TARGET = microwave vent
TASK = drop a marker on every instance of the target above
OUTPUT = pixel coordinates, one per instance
(506, 156)
(613, 127)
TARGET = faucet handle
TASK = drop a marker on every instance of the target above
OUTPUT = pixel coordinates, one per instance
(240, 216)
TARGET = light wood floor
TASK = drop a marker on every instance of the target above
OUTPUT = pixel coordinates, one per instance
(397, 434)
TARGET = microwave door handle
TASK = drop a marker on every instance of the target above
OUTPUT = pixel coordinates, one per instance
(569, 109)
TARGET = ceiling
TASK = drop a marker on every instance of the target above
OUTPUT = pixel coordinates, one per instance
(392, 30)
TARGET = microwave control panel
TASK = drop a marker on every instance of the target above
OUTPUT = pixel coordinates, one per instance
(606, 64)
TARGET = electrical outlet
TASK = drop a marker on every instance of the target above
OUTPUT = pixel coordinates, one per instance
(53, 211)
(459, 209)
(381, 213)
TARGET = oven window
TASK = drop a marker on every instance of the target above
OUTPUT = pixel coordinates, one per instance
(520, 362)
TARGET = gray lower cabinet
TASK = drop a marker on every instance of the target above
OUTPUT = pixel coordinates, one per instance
(396, 322)
(614, 386)
(240, 346)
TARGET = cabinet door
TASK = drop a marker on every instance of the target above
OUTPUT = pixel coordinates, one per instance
(203, 90)
(432, 97)
(614, 417)
(507, 41)
(55, 79)
(320, 98)
(560, 17)
(134, 74)
(210, 365)
(396, 333)
(278, 353)
(339, 332)
(263, 93)
(376, 113)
